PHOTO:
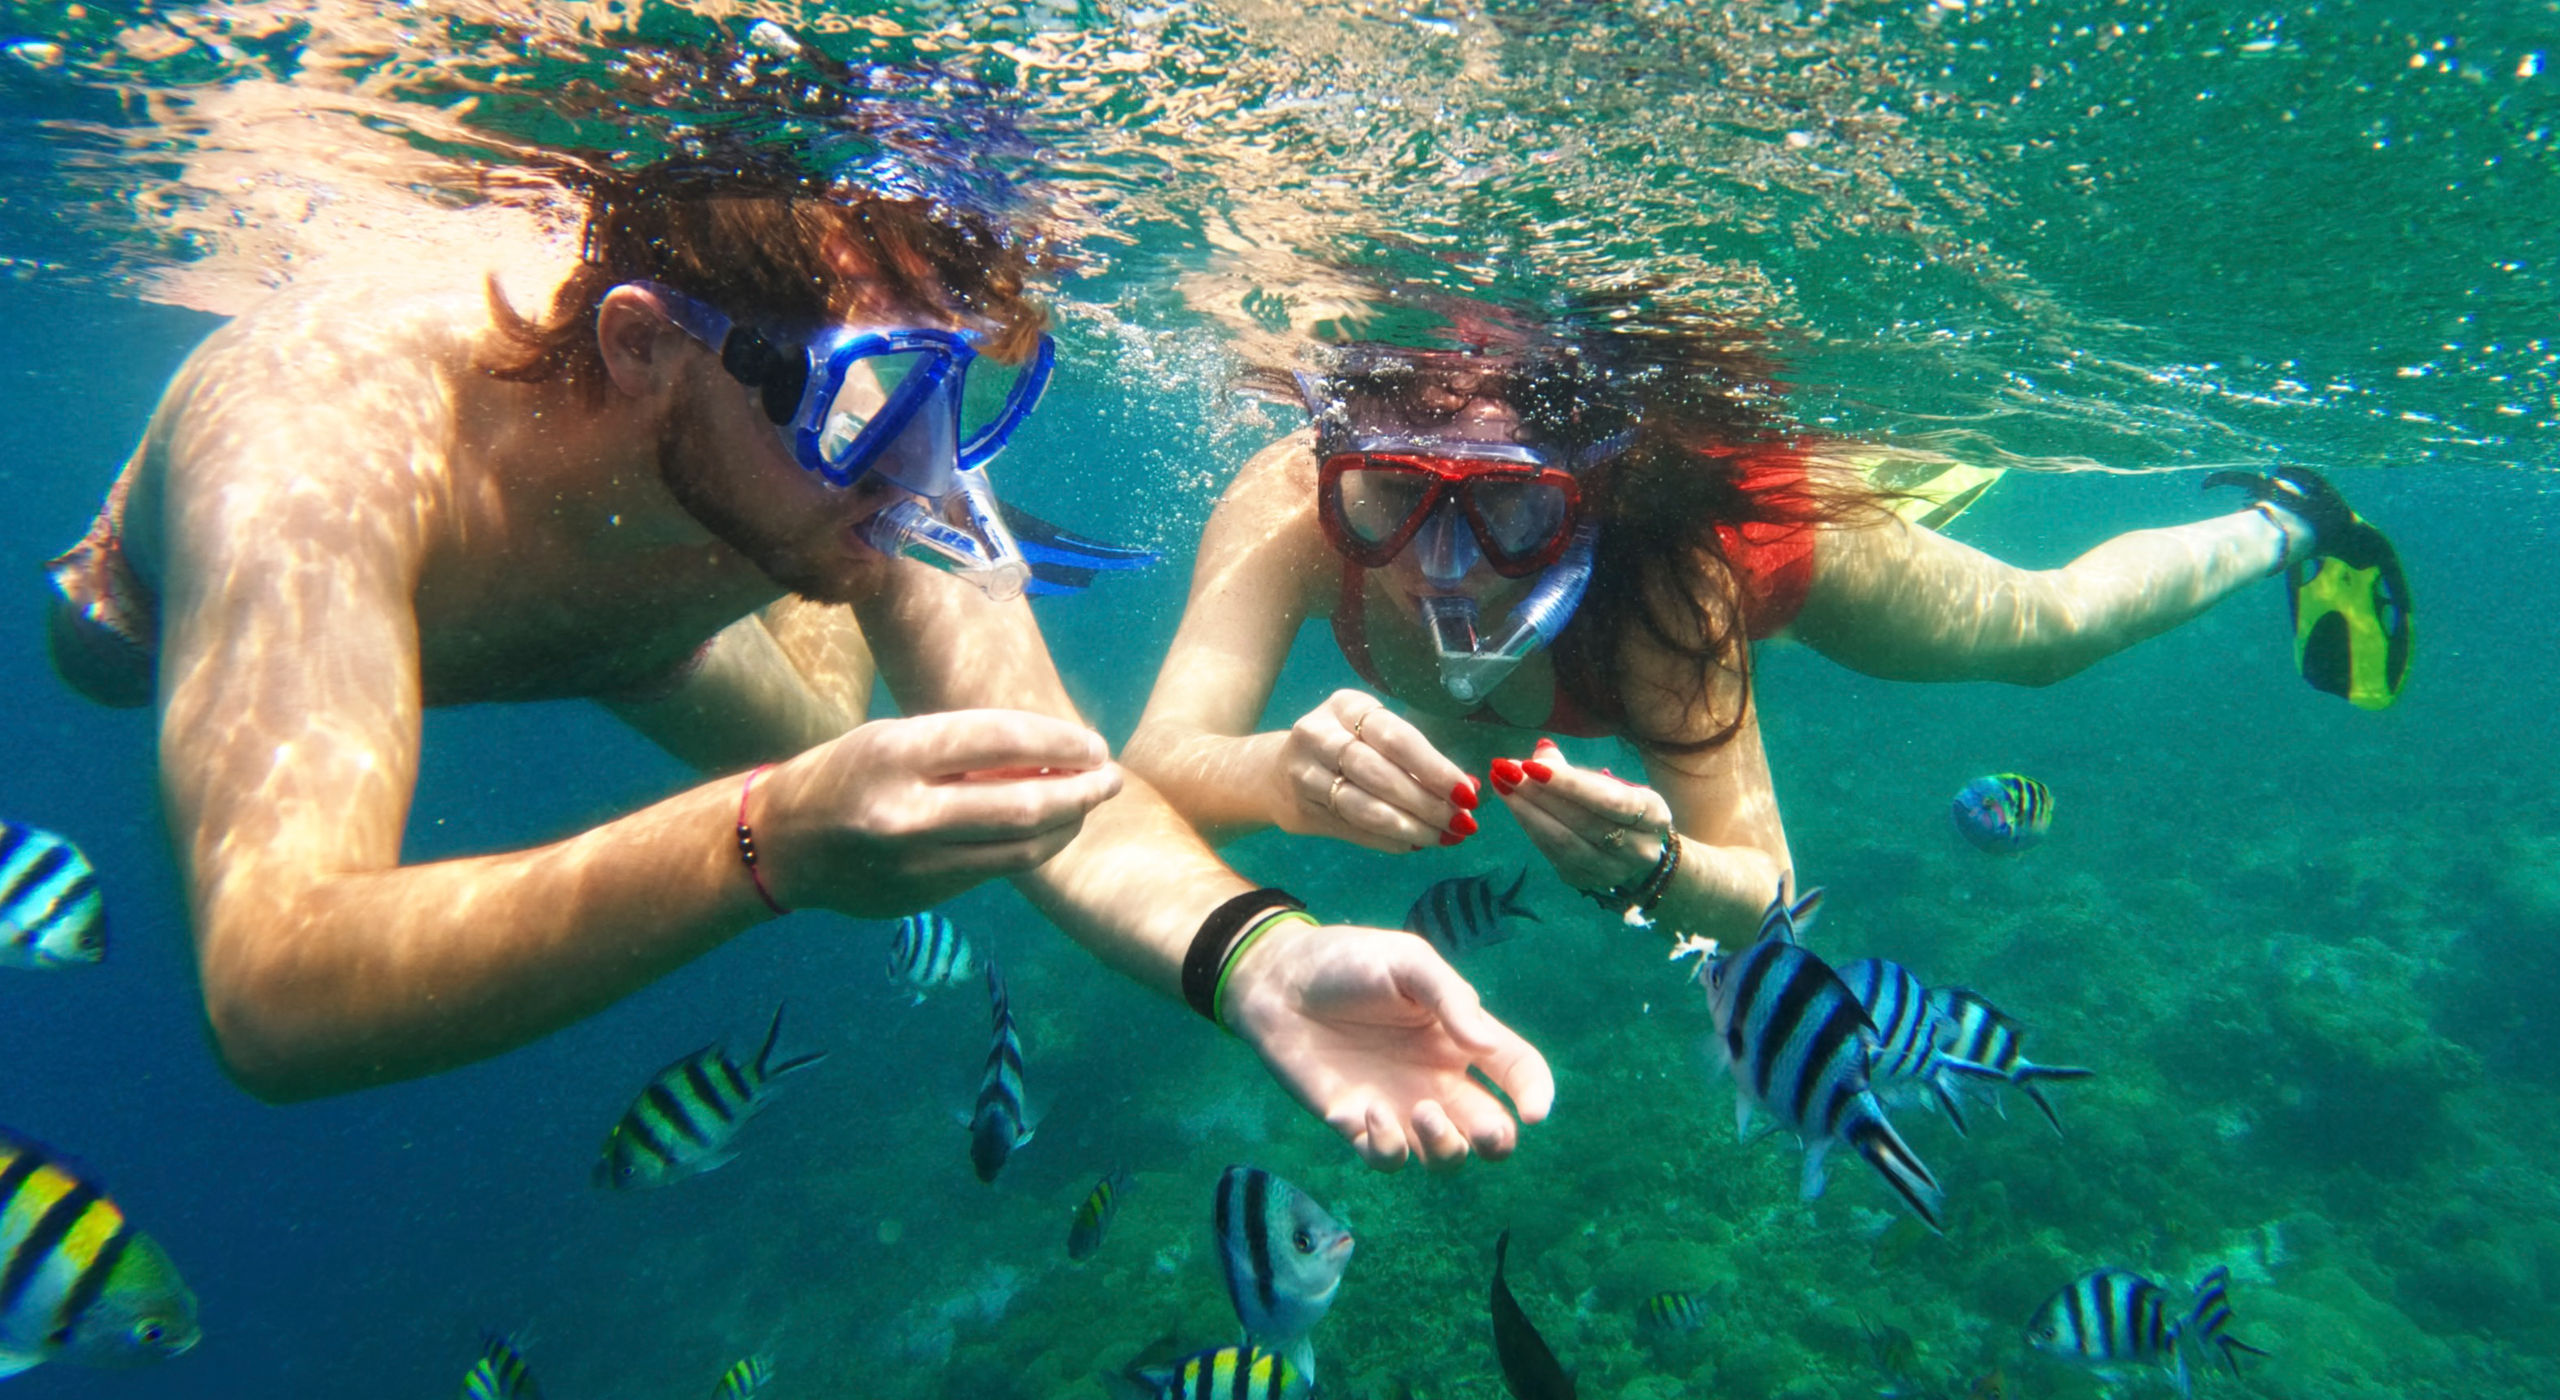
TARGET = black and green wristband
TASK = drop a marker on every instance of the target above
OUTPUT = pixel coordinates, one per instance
(1205, 964)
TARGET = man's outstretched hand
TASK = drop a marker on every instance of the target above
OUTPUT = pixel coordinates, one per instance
(1376, 1035)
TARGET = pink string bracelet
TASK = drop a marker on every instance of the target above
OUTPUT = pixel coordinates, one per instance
(747, 841)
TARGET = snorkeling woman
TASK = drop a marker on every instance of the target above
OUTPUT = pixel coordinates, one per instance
(1549, 538)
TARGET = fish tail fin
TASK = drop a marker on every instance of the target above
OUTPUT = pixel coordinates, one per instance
(1514, 906)
(1301, 1356)
(1874, 1139)
(1947, 1105)
(1803, 911)
(766, 1069)
(2209, 1319)
(2028, 1087)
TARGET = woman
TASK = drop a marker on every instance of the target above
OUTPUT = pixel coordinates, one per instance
(1588, 542)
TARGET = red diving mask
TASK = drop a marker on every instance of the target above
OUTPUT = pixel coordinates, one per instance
(1373, 499)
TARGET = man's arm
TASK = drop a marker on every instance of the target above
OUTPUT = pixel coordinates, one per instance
(289, 730)
(1367, 1028)
(290, 712)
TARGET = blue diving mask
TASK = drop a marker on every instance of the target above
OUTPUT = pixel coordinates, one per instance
(920, 407)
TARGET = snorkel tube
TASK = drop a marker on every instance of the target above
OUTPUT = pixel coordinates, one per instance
(977, 546)
(1469, 669)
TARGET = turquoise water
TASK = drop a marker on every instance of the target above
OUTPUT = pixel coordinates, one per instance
(2308, 948)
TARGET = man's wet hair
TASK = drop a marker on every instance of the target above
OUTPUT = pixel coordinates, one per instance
(767, 243)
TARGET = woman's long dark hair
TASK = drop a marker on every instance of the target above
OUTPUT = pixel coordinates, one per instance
(1706, 420)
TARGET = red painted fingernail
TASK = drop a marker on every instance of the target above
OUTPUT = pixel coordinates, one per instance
(1450, 838)
(1464, 795)
(1506, 774)
(1462, 824)
(1546, 743)
(1537, 770)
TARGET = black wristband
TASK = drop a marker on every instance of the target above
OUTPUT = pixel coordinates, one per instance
(1217, 936)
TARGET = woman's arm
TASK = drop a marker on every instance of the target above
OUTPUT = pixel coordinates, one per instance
(1263, 570)
(770, 685)
(1367, 1028)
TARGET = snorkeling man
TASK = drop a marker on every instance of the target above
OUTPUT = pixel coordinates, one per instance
(685, 492)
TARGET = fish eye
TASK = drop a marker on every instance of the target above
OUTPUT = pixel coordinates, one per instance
(1306, 1243)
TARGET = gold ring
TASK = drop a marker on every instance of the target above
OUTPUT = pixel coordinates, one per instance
(1614, 839)
(1363, 720)
(1332, 793)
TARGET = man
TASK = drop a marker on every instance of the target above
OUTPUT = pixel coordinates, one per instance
(680, 493)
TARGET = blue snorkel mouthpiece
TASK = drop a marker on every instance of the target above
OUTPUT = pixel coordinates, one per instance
(978, 546)
(1470, 670)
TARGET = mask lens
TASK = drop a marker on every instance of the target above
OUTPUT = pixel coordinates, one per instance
(987, 396)
(1522, 515)
(1377, 501)
(869, 384)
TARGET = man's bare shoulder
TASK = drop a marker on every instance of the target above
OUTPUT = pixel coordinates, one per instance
(323, 378)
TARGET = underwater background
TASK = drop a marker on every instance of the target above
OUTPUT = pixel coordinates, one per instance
(2310, 950)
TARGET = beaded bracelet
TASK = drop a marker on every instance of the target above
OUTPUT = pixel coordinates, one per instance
(1635, 901)
(747, 841)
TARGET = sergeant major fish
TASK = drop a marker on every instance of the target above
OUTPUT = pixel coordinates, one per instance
(931, 954)
(80, 1284)
(2004, 813)
(1227, 1373)
(744, 1380)
(1462, 913)
(51, 913)
(1000, 1124)
(2110, 1316)
(1094, 1217)
(1797, 1044)
(1910, 1047)
(1672, 1310)
(499, 1374)
(1976, 1032)
(687, 1120)
(1283, 1257)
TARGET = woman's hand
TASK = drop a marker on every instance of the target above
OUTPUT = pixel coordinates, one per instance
(1374, 1034)
(1352, 768)
(1599, 831)
(902, 814)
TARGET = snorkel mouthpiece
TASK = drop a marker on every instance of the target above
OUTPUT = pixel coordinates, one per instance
(1470, 670)
(983, 553)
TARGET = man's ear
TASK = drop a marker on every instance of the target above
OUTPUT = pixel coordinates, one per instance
(638, 340)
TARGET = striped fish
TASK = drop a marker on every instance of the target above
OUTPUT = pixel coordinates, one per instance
(1672, 1310)
(1094, 1217)
(742, 1381)
(1283, 1256)
(1462, 913)
(79, 1283)
(1797, 1043)
(1228, 1373)
(51, 914)
(1000, 1124)
(2114, 1316)
(1977, 1033)
(2004, 813)
(931, 954)
(1910, 1049)
(687, 1121)
(499, 1374)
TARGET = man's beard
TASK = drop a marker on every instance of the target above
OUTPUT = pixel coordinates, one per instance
(686, 467)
